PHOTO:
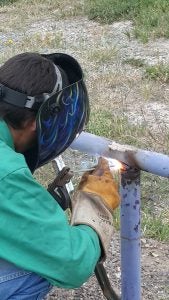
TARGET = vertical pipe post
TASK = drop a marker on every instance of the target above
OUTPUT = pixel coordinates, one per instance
(130, 235)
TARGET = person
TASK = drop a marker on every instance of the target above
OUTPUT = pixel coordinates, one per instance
(43, 107)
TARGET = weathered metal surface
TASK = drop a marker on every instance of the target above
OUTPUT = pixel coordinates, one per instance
(130, 235)
(149, 161)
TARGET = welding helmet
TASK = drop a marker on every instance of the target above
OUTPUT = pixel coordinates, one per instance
(61, 115)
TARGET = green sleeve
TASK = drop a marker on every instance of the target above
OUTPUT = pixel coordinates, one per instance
(35, 234)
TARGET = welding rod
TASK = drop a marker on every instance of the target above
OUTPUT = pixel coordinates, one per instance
(84, 170)
(89, 169)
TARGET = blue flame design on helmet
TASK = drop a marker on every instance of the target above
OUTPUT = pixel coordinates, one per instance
(60, 119)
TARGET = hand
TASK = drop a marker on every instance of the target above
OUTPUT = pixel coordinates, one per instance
(97, 196)
(100, 182)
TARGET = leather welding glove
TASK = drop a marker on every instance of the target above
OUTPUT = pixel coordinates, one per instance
(96, 198)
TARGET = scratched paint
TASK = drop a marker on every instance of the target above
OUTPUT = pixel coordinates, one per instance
(130, 236)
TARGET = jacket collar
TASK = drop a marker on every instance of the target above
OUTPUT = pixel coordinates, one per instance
(5, 134)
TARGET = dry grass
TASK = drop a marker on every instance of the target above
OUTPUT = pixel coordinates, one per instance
(103, 55)
(23, 13)
(16, 19)
(36, 42)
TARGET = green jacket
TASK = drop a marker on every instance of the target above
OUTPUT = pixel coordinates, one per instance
(34, 231)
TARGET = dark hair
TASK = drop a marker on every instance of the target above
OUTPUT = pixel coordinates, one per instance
(29, 73)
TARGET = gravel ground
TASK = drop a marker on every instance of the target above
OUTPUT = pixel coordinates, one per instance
(155, 274)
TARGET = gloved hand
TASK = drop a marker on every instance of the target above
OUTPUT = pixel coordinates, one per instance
(96, 197)
(100, 182)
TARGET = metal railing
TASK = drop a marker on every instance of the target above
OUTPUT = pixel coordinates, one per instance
(130, 223)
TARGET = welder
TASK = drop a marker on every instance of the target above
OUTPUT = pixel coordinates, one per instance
(43, 107)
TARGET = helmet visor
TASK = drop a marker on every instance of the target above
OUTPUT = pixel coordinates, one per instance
(60, 119)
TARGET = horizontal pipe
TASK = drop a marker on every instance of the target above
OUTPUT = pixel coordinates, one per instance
(149, 161)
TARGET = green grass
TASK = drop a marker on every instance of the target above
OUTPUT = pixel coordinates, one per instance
(108, 11)
(105, 55)
(115, 127)
(151, 226)
(155, 226)
(100, 123)
(135, 62)
(150, 17)
(155, 189)
(158, 72)
(6, 2)
(116, 218)
(120, 129)
(155, 214)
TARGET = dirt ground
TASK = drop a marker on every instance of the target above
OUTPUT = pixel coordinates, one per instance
(155, 274)
(121, 88)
